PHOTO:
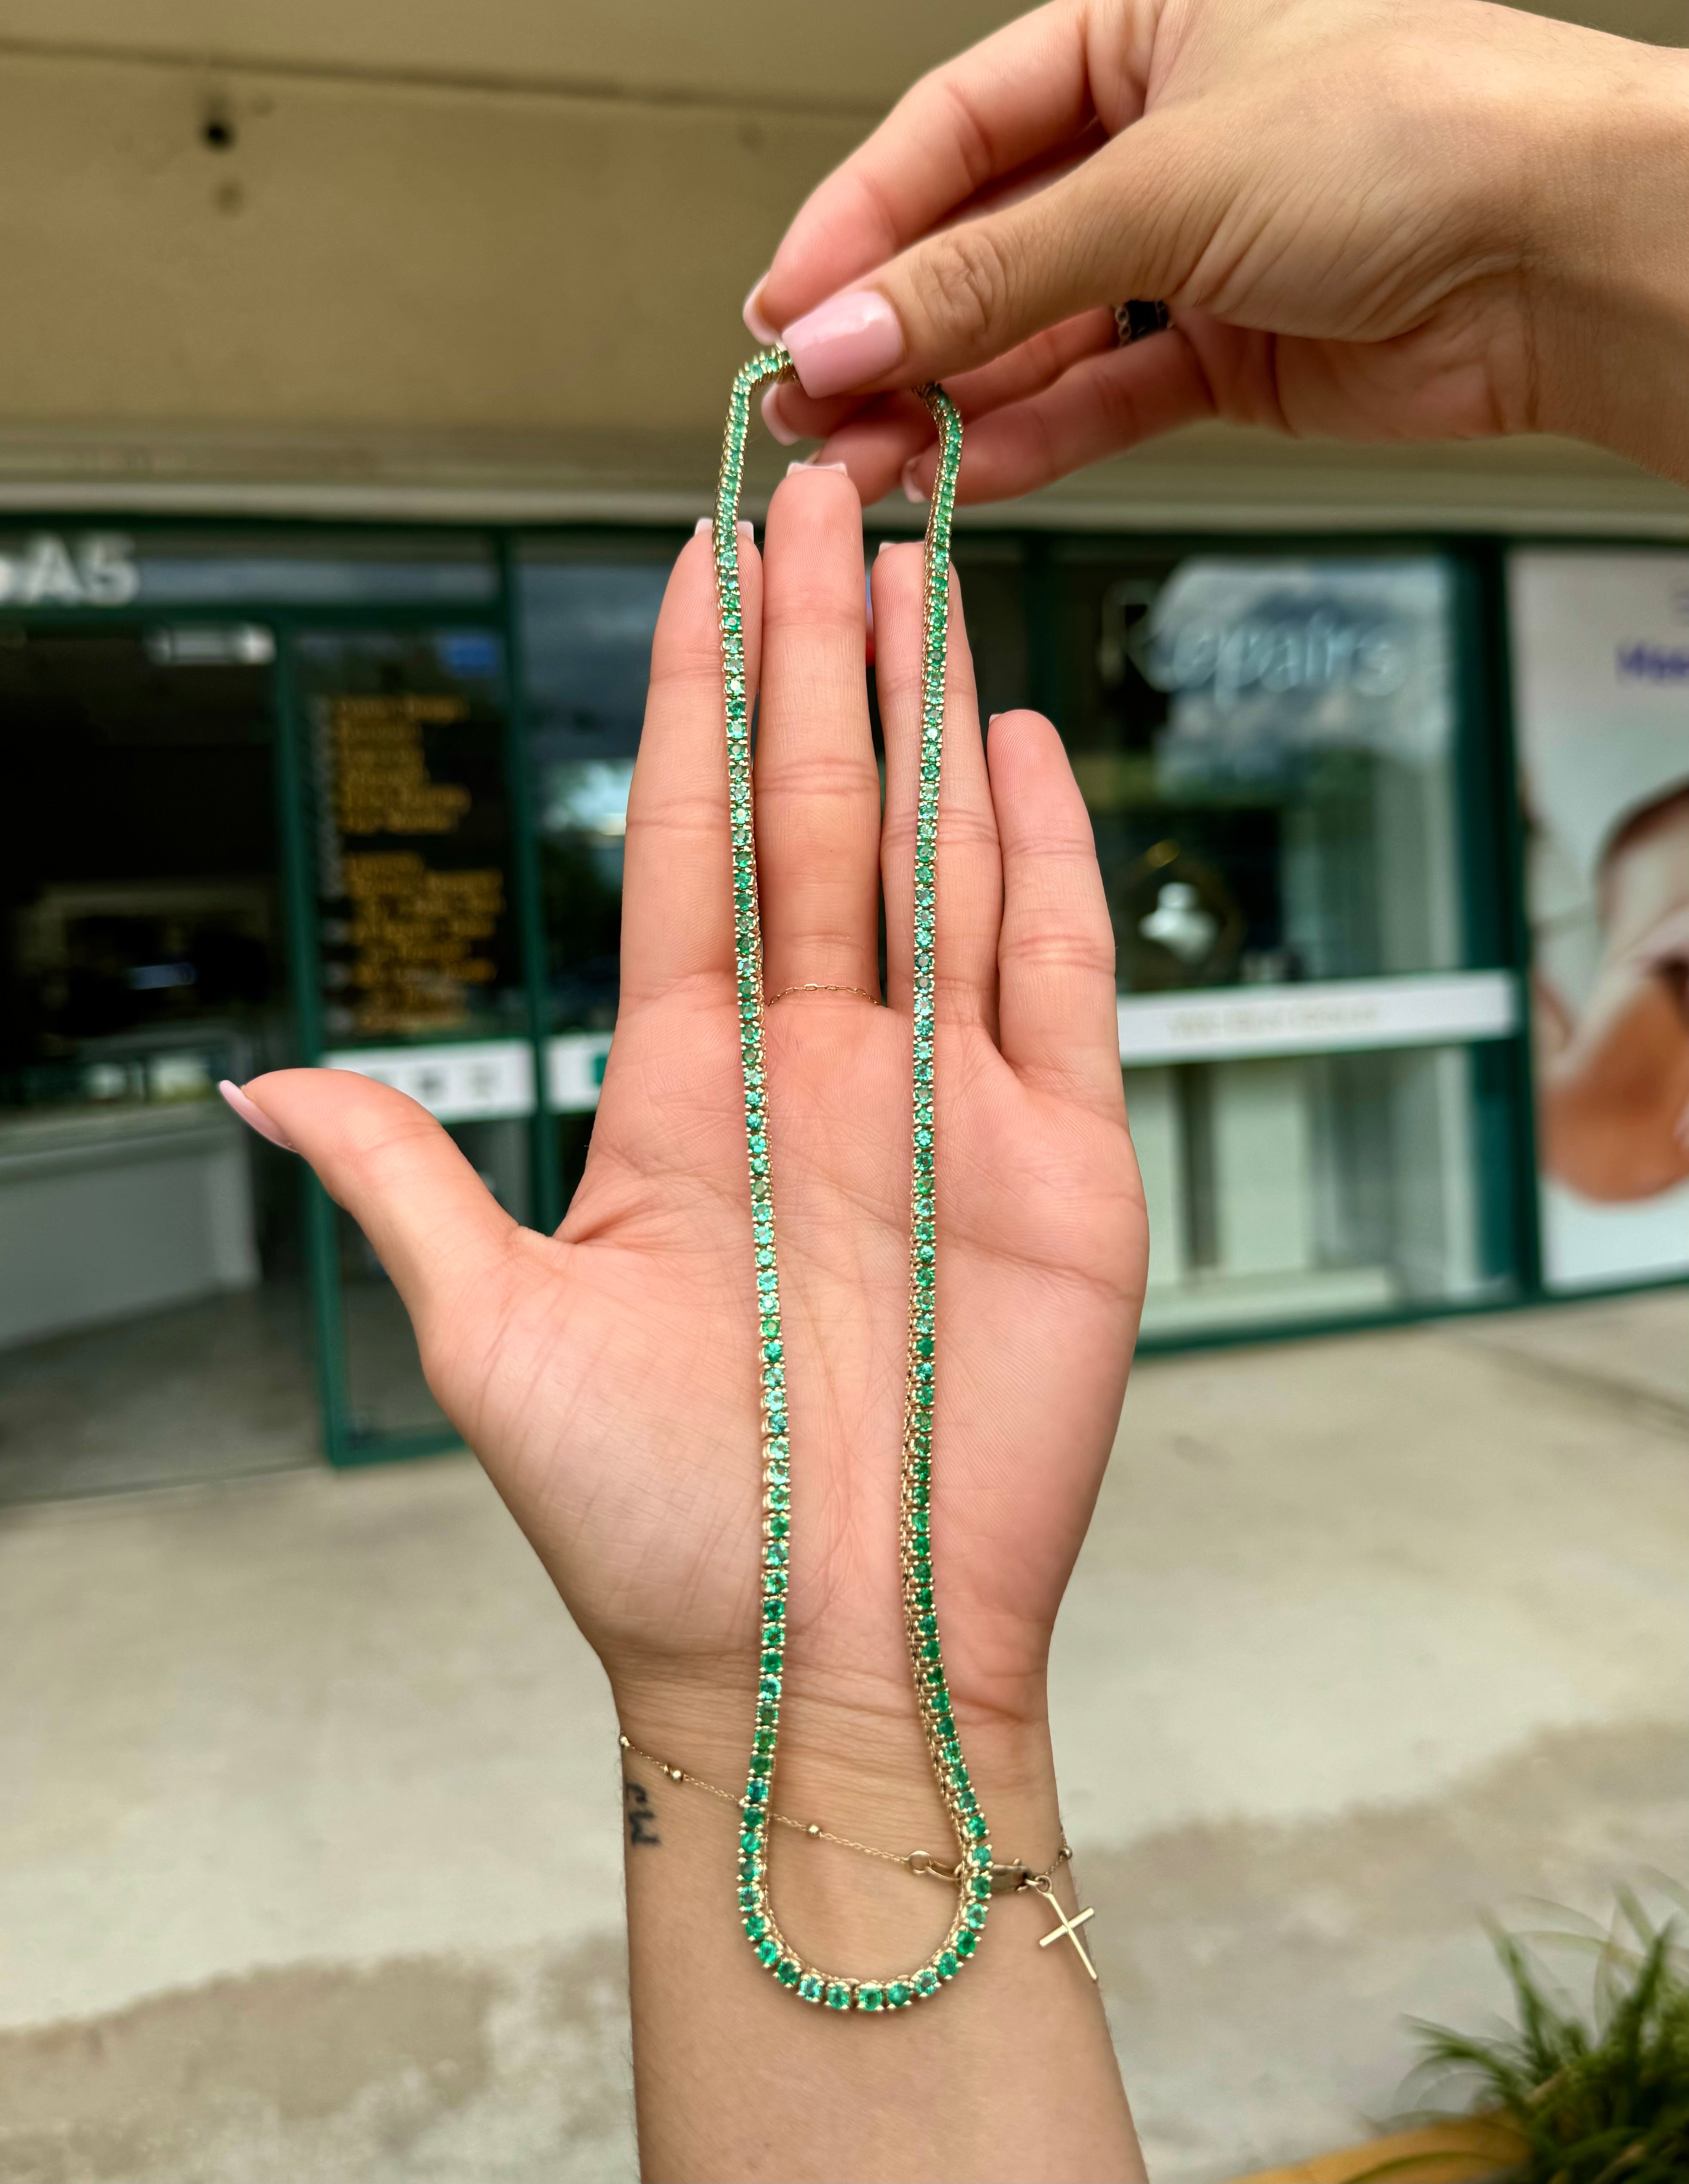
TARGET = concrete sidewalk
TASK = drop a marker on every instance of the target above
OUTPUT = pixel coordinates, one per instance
(309, 1824)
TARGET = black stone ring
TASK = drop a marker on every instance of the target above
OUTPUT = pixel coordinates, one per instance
(1135, 321)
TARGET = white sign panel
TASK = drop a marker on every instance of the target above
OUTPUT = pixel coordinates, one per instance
(1601, 680)
(93, 569)
(1339, 1016)
(479, 1081)
(574, 1070)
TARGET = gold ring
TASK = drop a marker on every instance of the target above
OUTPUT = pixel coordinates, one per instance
(810, 986)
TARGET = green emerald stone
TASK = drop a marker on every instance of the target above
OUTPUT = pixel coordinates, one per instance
(947, 1965)
(974, 1916)
(756, 1928)
(811, 1989)
(786, 1972)
(768, 1951)
(870, 1997)
(838, 1996)
(899, 1994)
(926, 1982)
(966, 1942)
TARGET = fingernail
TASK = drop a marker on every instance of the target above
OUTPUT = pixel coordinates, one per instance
(254, 1117)
(778, 429)
(993, 720)
(913, 489)
(745, 528)
(843, 342)
(810, 464)
(752, 317)
(885, 546)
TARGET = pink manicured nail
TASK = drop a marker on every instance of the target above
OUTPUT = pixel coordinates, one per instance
(809, 465)
(913, 488)
(254, 1117)
(753, 318)
(778, 428)
(844, 341)
(993, 720)
(747, 529)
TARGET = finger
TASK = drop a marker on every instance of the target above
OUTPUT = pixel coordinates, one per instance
(677, 898)
(817, 782)
(970, 867)
(792, 416)
(884, 447)
(434, 1224)
(1056, 996)
(1136, 220)
(1025, 369)
(1009, 102)
(1102, 405)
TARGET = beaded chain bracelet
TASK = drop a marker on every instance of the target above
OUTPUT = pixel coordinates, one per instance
(973, 1868)
(1010, 1876)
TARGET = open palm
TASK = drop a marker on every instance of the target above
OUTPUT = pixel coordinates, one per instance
(607, 1377)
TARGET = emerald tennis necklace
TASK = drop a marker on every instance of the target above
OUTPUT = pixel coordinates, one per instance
(972, 1871)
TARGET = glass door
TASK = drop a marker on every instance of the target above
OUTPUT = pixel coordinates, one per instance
(412, 922)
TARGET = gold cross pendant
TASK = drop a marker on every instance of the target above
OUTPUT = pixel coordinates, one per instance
(1065, 1929)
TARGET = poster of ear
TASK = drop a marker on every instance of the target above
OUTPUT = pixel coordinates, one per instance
(1601, 684)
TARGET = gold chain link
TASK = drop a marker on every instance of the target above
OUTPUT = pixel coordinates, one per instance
(916, 1861)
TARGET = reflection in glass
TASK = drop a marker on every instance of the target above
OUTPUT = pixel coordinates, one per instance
(1266, 745)
(589, 612)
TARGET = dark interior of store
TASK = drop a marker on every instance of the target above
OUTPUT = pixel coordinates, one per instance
(151, 1274)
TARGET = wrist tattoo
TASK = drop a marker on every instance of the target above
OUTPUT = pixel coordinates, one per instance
(642, 1816)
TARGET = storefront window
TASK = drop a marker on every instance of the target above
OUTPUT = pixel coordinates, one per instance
(152, 1323)
(1268, 748)
(264, 803)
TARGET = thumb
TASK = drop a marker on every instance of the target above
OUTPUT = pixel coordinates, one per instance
(435, 1226)
(1132, 222)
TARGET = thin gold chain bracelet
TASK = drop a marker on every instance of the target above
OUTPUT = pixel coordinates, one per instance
(1010, 1877)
